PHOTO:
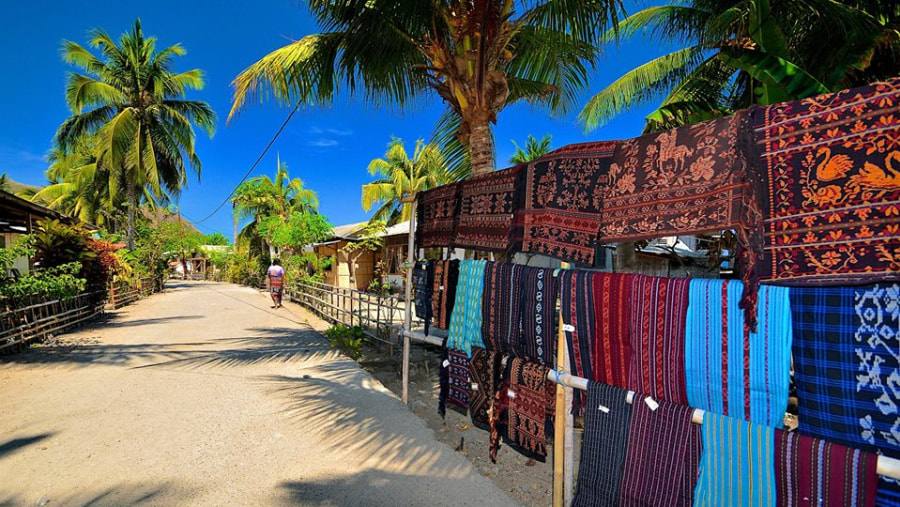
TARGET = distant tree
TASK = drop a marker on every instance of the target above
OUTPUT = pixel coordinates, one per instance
(370, 239)
(400, 175)
(216, 238)
(533, 149)
(131, 102)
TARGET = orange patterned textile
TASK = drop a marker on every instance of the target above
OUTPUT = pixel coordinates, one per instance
(830, 167)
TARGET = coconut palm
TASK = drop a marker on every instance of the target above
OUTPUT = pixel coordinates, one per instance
(400, 175)
(533, 149)
(732, 54)
(478, 56)
(133, 105)
(261, 197)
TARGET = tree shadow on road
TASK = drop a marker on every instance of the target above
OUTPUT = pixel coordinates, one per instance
(123, 494)
(15, 444)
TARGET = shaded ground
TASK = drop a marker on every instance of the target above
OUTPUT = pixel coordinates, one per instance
(205, 396)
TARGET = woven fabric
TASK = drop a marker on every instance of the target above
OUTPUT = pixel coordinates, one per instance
(658, 338)
(538, 292)
(563, 202)
(737, 467)
(846, 361)
(606, 421)
(458, 380)
(436, 213)
(662, 460)
(423, 285)
(484, 374)
(810, 471)
(501, 305)
(830, 167)
(465, 322)
(729, 369)
(531, 397)
(499, 413)
(487, 205)
(443, 295)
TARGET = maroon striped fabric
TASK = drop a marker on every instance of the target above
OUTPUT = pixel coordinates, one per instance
(810, 471)
(658, 338)
(662, 461)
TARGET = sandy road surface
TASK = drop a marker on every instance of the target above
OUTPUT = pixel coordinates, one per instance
(205, 396)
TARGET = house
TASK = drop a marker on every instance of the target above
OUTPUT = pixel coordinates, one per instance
(392, 253)
(18, 217)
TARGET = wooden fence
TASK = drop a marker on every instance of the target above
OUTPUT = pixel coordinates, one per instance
(121, 294)
(39, 321)
(381, 317)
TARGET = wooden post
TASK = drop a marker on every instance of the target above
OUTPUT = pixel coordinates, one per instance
(407, 319)
(562, 422)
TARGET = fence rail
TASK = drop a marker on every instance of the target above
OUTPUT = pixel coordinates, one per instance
(39, 321)
(381, 317)
(123, 294)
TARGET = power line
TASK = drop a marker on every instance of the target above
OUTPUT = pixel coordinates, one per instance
(249, 171)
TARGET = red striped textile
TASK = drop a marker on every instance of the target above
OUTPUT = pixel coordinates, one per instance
(657, 338)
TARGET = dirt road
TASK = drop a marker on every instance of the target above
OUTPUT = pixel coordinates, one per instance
(205, 396)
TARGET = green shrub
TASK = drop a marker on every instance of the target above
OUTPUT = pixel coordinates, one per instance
(348, 340)
(61, 282)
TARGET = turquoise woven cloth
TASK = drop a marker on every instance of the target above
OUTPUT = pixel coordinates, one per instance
(737, 467)
(729, 369)
(466, 319)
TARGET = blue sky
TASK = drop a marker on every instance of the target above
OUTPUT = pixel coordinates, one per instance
(328, 148)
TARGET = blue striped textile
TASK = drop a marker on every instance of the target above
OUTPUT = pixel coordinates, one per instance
(466, 319)
(847, 369)
(729, 369)
(737, 467)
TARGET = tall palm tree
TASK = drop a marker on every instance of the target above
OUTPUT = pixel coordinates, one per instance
(533, 149)
(133, 104)
(262, 197)
(478, 56)
(400, 175)
(735, 53)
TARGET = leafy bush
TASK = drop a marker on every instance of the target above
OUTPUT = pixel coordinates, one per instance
(348, 340)
(61, 282)
(57, 243)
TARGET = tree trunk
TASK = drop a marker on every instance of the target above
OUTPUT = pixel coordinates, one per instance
(481, 147)
(626, 258)
(132, 204)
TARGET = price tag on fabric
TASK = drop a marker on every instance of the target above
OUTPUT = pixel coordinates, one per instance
(651, 403)
(446, 363)
(474, 386)
(510, 393)
(442, 287)
(569, 328)
(604, 409)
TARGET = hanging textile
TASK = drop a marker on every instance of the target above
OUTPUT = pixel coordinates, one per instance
(436, 212)
(689, 180)
(597, 313)
(563, 202)
(486, 208)
(499, 412)
(731, 370)
(606, 420)
(662, 459)
(423, 284)
(531, 400)
(484, 375)
(465, 322)
(830, 167)
(658, 337)
(501, 305)
(809, 471)
(538, 292)
(737, 467)
(846, 361)
(458, 380)
(443, 296)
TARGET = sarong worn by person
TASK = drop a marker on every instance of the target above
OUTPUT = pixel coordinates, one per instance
(275, 275)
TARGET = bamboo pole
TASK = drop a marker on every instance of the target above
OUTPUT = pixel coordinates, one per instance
(407, 311)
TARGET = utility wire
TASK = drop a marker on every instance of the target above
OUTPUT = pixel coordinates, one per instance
(250, 171)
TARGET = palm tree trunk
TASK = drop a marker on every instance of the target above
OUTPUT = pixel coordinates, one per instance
(481, 147)
(132, 204)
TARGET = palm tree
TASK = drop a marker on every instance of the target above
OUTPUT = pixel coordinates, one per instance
(534, 149)
(400, 176)
(262, 197)
(733, 54)
(478, 56)
(131, 102)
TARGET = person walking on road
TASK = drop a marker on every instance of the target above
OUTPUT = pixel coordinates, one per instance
(275, 275)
